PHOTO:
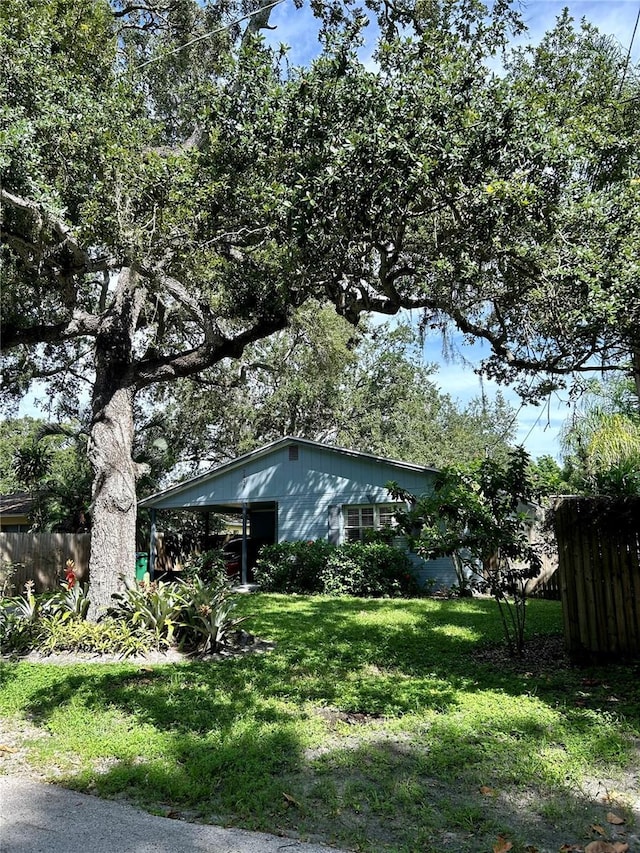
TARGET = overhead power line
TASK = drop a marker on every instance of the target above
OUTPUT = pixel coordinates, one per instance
(212, 33)
(627, 60)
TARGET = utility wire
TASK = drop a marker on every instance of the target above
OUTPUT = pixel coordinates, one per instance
(211, 33)
(626, 64)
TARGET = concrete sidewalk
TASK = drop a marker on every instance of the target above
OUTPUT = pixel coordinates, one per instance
(40, 818)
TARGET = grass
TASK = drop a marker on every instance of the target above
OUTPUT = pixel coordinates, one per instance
(372, 725)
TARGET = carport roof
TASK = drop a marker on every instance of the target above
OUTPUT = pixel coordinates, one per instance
(265, 450)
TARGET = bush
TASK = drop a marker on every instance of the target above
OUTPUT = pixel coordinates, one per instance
(367, 569)
(210, 567)
(292, 566)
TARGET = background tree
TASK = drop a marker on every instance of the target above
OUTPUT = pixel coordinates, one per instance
(392, 405)
(601, 441)
(49, 462)
(366, 389)
(169, 199)
(548, 478)
(288, 384)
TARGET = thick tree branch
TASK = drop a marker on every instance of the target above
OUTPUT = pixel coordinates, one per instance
(180, 365)
(80, 325)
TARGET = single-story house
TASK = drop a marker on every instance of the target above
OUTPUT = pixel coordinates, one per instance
(296, 489)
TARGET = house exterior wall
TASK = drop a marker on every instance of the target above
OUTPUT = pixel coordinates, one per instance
(309, 492)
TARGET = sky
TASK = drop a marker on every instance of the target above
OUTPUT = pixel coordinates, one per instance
(537, 427)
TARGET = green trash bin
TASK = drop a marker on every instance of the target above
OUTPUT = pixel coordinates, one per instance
(142, 565)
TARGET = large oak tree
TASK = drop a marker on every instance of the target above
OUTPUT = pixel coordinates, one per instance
(172, 189)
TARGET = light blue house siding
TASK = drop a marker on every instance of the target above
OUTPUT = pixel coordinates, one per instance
(300, 489)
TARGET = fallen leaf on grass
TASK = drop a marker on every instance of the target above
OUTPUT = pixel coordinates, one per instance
(614, 819)
(4, 748)
(571, 848)
(290, 800)
(606, 847)
(595, 827)
(502, 845)
(486, 790)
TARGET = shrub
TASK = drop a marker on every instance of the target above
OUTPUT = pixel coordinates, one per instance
(369, 570)
(209, 566)
(292, 566)
(60, 632)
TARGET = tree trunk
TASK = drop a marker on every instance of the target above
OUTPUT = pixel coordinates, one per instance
(113, 531)
(113, 528)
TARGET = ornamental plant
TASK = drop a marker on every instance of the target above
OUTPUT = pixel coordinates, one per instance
(205, 616)
(151, 605)
(478, 518)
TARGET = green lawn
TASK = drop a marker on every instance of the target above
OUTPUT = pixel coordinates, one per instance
(373, 725)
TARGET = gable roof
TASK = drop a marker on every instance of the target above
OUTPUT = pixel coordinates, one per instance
(16, 504)
(269, 449)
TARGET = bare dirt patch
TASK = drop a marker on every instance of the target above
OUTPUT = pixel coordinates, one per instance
(543, 654)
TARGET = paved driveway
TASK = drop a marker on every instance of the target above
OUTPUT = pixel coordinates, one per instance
(40, 818)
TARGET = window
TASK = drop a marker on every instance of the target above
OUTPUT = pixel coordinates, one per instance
(358, 520)
(293, 453)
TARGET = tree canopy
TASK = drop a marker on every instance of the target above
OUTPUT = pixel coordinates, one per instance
(172, 189)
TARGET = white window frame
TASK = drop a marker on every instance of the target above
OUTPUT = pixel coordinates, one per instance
(354, 532)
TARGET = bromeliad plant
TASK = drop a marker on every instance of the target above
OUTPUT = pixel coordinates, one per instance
(152, 605)
(26, 620)
(72, 600)
(19, 618)
(205, 619)
(194, 614)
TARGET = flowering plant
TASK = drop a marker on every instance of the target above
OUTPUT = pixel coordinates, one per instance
(70, 574)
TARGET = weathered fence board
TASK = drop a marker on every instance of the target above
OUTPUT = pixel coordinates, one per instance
(41, 557)
(599, 566)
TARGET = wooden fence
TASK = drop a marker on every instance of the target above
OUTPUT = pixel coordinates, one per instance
(599, 563)
(41, 557)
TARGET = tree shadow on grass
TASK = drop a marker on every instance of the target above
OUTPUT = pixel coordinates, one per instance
(224, 741)
(363, 786)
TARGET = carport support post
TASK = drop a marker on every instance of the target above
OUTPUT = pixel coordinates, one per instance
(152, 544)
(244, 543)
